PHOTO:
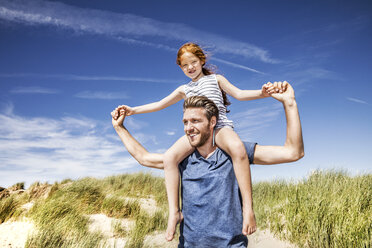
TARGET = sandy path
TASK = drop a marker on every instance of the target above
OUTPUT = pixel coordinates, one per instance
(14, 234)
(260, 239)
(264, 239)
(103, 224)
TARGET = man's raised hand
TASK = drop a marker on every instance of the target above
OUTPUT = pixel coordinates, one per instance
(118, 116)
(288, 92)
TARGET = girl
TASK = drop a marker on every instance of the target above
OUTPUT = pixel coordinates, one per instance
(192, 59)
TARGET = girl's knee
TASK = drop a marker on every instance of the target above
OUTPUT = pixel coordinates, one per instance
(174, 157)
(238, 151)
(169, 158)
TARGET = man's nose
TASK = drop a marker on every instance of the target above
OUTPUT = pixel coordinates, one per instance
(188, 127)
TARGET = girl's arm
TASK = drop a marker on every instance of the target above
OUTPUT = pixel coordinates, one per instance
(242, 95)
(171, 99)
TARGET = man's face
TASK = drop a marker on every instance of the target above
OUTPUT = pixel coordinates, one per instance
(196, 126)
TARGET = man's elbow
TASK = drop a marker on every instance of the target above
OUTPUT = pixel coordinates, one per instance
(144, 162)
(296, 154)
(300, 155)
(148, 162)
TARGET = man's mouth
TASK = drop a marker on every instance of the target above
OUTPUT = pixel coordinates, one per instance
(192, 136)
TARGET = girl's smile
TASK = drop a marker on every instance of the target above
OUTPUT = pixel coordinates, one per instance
(191, 66)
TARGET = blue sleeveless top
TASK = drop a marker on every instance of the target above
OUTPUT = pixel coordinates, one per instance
(211, 202)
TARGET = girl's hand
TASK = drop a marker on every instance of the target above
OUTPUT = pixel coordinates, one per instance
(271, 88)
(119, 111)
(267, 89)
(127, 110)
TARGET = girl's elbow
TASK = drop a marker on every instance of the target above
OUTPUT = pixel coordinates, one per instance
(238, 96)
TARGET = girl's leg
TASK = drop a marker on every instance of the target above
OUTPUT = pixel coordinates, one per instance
(179, 151)
(229, 141)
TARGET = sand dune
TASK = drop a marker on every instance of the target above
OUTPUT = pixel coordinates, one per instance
(14, 235)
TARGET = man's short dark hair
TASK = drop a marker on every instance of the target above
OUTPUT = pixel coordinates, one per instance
(202, 102)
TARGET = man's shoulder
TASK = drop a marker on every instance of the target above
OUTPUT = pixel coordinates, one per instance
(219, 154)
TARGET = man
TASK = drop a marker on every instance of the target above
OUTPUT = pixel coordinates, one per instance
(210, 198)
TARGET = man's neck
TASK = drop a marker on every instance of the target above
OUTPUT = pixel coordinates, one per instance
(207, 149)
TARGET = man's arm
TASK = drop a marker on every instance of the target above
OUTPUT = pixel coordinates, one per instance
(152, 160)
(293, 148)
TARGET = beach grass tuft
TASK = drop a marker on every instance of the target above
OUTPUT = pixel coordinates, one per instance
(8, 208)
(326, 209)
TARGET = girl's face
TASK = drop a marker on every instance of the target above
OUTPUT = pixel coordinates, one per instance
(191, 66)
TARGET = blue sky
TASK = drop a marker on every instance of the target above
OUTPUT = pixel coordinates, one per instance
(64, 65)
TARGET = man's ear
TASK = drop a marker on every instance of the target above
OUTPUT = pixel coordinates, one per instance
(213, 121)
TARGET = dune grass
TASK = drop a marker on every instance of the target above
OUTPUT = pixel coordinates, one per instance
(8, 208)
(328, 209)
(145, 224)
(118, 208)
(62, 217)
(119, 230)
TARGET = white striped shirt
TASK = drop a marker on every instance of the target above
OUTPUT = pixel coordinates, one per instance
(208, 86)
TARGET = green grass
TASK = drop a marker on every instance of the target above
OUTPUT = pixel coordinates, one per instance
(119, 230)
(329, 209)
(8, 208)
(119, 208)
(137, 185)
(62, 219)
(56, 237)
(146, 224)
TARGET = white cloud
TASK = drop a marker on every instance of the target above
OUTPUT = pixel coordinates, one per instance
(356, 100)
(48, 149)
(116, 78)
(33, 90)
(249, 121)
(6, 108)
(101, 95)
(125, 27)
(145, 138)
(90, 78)
(170, 133)
(236, 65)
(134, 124)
